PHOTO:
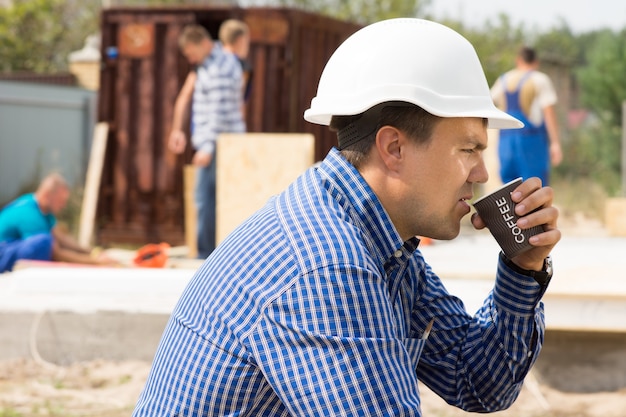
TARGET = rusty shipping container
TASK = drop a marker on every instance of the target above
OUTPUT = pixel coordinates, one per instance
(141, 195)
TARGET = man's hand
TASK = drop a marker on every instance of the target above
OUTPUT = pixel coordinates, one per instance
(529, 196)
(202, 159)
(105, 260)
(177, 141)
(556, 154)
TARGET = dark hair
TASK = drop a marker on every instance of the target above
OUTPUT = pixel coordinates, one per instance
(417, 123)
(527, 54)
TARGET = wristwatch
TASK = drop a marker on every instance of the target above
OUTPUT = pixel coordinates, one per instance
(542, 277)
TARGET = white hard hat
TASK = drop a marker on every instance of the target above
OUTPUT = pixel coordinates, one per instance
(408, 60)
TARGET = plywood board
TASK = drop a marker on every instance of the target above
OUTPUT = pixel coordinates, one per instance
(615, 216)
(251, 167)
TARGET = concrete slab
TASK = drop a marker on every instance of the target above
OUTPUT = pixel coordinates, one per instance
(90, 290)
(69, 314)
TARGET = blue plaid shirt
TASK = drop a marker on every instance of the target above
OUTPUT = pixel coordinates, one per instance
(315, 307)
(217, 99)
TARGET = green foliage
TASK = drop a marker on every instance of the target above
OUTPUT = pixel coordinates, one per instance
(603, 78)
(360, 11)
(9, 412)
(496, 44)
(38, 35)
(558, 46)
(593, 153)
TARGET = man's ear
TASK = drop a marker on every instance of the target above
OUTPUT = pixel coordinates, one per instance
(389, 146)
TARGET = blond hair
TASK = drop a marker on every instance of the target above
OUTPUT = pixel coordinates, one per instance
(231, 30)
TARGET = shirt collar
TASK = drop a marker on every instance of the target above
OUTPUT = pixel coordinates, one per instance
(351, 190)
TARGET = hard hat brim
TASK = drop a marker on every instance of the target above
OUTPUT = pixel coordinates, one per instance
(410, 60)
(473, 107)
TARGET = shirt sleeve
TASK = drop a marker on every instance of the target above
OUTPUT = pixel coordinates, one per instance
(546, 94)
(479, 362)
(497, 93)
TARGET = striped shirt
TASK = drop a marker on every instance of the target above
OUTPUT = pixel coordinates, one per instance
(217, 99)
(314, 306)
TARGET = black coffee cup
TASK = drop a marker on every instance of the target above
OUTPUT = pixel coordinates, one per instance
(498, 212)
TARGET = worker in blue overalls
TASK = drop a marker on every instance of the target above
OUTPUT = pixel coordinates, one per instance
(528, 95)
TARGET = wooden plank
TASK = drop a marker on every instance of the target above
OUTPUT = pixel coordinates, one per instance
(169, 174)
(623, 148)
(190, 210)
(92, 184)
(121, 171)
(144, 128)
(615, 216)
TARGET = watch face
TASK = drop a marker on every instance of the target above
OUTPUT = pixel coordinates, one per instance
(548, 266)
(543, 277)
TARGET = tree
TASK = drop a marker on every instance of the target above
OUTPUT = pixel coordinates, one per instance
(359, 11)
(38, 35)
(602, 79)
(595, 151)
(496, 44)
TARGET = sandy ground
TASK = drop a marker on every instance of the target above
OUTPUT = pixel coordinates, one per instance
(110, 389)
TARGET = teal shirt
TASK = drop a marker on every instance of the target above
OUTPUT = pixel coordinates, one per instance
(22, 218)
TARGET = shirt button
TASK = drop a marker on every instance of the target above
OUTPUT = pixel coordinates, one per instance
(397, 253)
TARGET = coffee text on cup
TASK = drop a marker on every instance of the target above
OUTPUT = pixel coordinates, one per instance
(508, 218)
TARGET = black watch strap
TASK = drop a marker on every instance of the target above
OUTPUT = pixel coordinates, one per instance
(542, 277)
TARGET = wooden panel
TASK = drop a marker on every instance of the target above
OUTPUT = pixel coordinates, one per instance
(121, 144)
(166, 175)
(251, 168)
(615, 216)
(267, 28)
(136, 40)
(143, 152)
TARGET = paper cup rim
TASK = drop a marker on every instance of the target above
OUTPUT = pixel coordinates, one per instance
(503, 186)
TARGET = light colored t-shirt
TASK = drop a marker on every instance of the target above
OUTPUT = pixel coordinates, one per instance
(537, 93)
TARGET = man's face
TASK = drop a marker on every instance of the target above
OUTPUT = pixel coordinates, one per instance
(197, 52)
(241, 46)
(436, 179)
(58, 200)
